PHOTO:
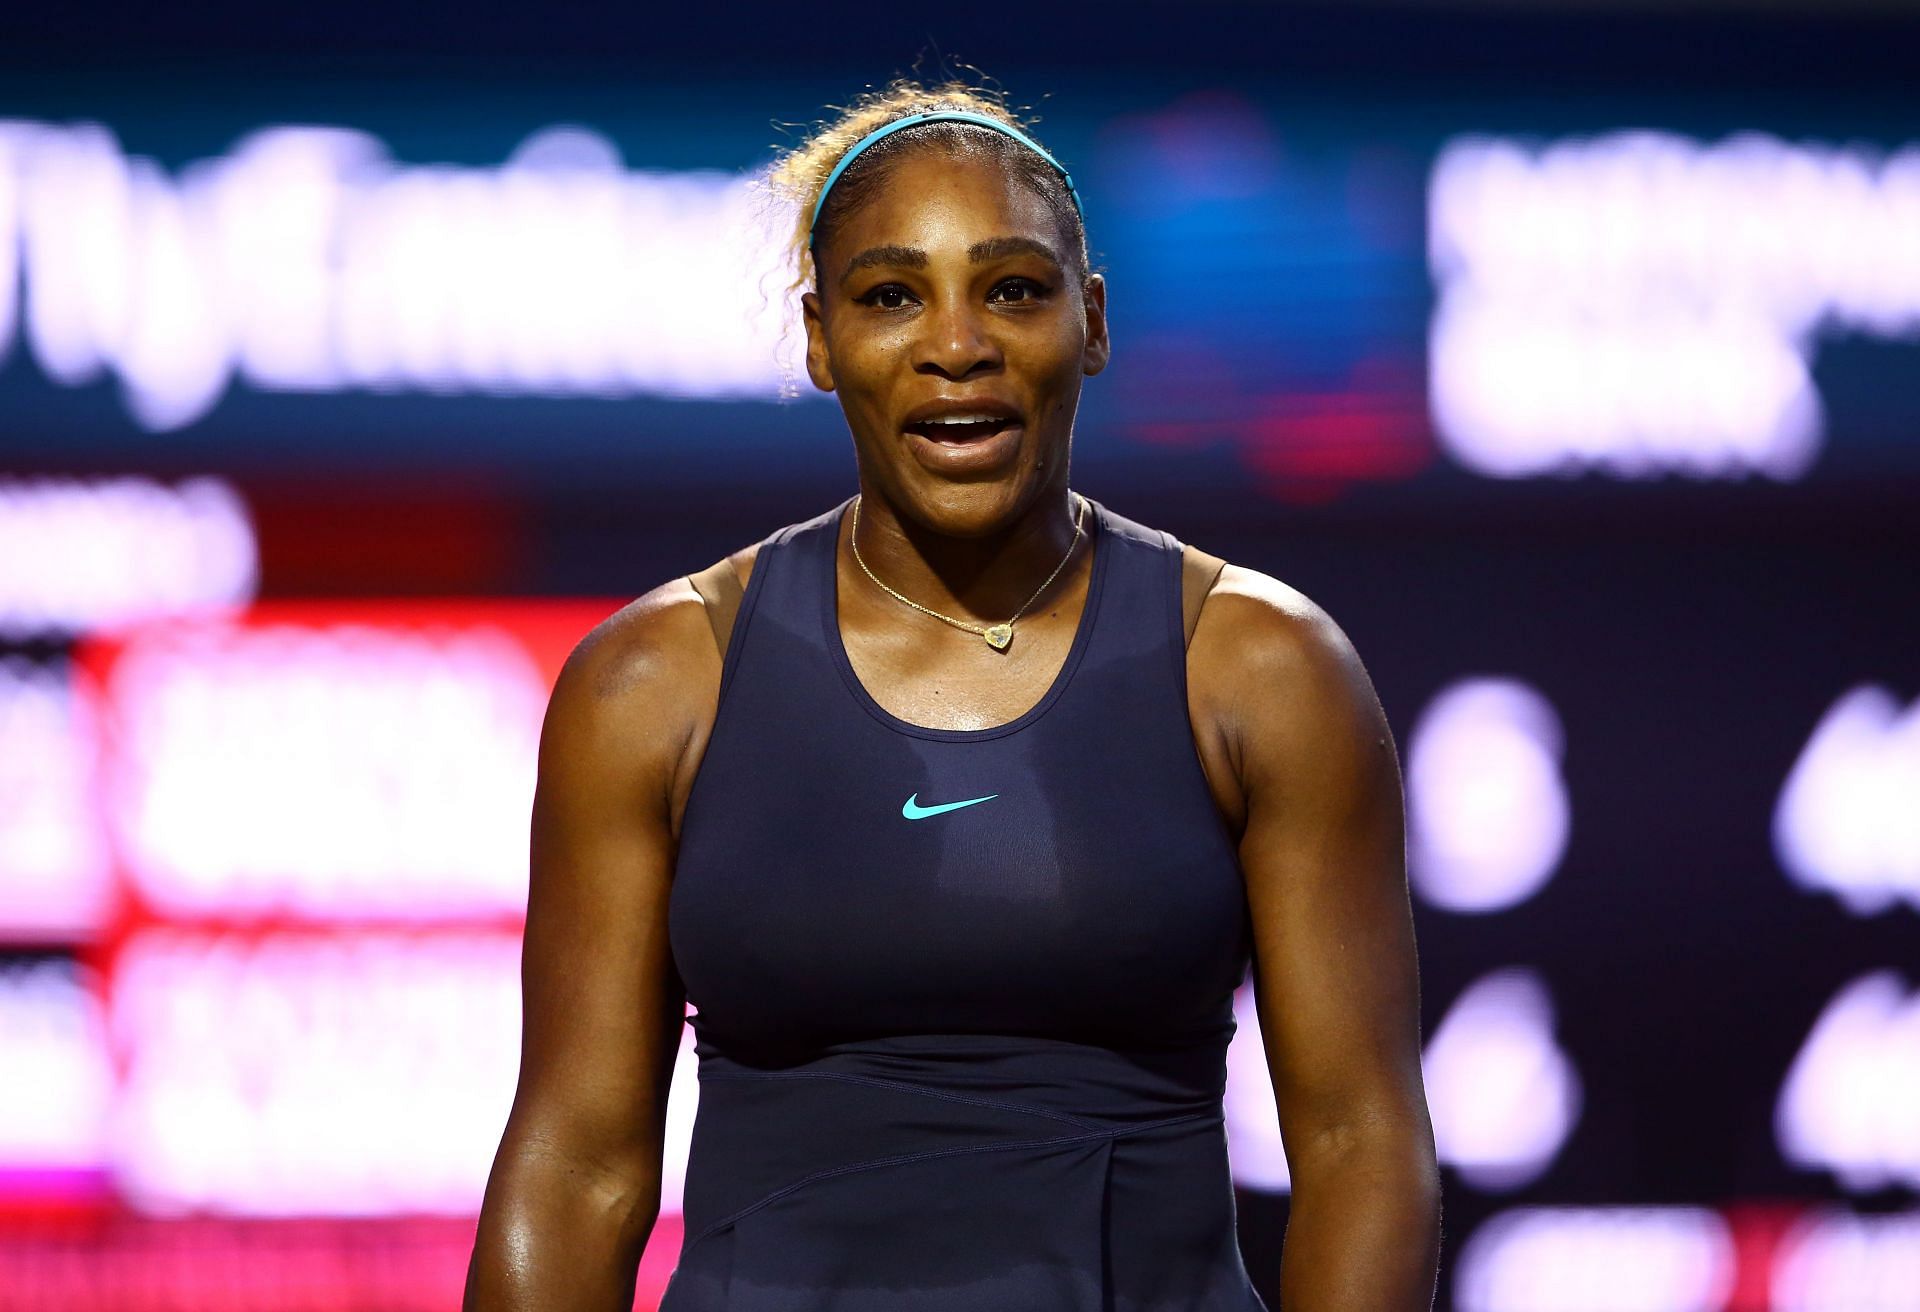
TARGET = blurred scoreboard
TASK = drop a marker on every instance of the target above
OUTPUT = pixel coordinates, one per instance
(1317, 302)
(286, 845)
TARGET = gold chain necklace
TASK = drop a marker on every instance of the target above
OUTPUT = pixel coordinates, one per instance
(999, 635)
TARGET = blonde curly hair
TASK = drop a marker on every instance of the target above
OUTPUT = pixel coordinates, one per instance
(797, 175)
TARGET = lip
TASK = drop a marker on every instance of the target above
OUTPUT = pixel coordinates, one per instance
(970, 457)
(941, 407)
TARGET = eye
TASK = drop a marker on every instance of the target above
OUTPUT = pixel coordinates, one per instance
(878, 297)
(1028, 289)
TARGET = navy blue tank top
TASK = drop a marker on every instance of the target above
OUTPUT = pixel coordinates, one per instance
(958, 1056)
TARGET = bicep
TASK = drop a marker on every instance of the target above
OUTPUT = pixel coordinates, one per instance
(1323, 851)
(602, 1007)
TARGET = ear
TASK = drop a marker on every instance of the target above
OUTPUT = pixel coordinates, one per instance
(819, 367)
(1099, 345)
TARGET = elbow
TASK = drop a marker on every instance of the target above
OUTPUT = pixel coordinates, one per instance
(556, 1230)
(1393, 1157)
(549, 1177)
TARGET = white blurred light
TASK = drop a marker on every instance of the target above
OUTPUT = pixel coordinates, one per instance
(55, 872)
(325, 772)
(1597, 1259)
(683, 1104)
(1848, 819)
(1539, 389)
(306, 260)
(1488, 812)
(1851, 1100)
(9, 234)
(59, 1079)
(365, 1073)
(78, 555)
(1254, 1148)
(1502, 1094)
(1835, 1262)
(1641, 303)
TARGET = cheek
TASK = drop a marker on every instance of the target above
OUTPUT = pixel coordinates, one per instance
(867, 372)
(1061, 340)
(1061, 369)
(871, 356)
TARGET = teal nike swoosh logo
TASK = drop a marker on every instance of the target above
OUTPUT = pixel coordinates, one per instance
(914, 811)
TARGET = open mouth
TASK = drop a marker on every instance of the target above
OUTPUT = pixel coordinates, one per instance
(961, 431)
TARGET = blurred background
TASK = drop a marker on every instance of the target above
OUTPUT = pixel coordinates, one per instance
(355, 361)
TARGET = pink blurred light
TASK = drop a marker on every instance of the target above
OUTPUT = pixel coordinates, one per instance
(56, 1096)
(1834, 1261)
(1597, 1259)
(325, 770)
(357, 1073)
(55, 868)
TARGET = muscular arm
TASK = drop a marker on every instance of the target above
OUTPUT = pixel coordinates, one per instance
(575, 1186)
(1335, 977)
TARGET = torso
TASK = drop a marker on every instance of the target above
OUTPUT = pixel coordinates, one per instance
(1083, 890)
(955, 682)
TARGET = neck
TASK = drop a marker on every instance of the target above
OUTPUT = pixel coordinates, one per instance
(980, 576)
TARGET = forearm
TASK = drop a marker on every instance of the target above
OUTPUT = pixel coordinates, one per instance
(557, 1237)
(1363, 1230)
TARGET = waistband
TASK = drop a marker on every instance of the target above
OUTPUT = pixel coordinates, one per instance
(1099, 1083)
(769, 1123)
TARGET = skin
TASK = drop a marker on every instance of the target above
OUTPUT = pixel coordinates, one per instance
(1295, 746)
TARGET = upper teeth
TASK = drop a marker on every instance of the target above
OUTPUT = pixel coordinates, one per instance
(963, 419)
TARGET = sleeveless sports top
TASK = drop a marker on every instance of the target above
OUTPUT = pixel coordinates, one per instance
(962, 996)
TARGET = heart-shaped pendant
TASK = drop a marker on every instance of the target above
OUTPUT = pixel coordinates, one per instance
(999, 636)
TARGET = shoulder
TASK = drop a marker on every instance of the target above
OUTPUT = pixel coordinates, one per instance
(662, 641)
(656, 641)
(645, 641)
(628, 690)
(1260, 625)
(635, 700)
(1285, 681)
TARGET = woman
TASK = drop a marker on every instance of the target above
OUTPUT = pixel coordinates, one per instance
(959, 811)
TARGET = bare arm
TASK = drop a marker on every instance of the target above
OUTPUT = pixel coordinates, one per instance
(575, 1186)
(1336, 978)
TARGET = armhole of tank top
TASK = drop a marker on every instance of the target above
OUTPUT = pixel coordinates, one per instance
(722, 603)
(1176, 576)
(1183, 716)
(743, 619)
(1176, 558)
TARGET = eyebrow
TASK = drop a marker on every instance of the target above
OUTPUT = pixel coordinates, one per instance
(912, 257)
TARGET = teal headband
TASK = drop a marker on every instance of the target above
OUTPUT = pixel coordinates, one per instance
(943, 115)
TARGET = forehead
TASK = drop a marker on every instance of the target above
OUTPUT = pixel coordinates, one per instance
(942, 202)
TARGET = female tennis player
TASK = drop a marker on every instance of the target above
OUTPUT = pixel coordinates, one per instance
(958, 811)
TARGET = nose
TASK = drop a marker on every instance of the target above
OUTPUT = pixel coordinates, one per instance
(955, 342)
